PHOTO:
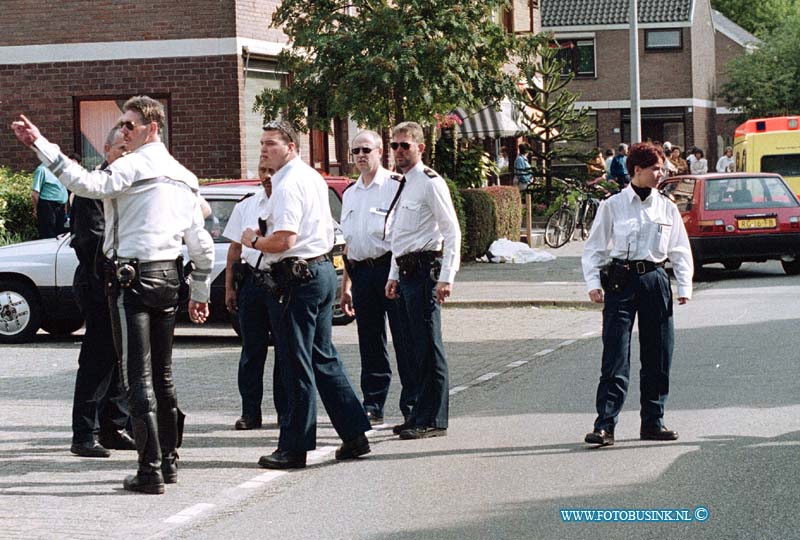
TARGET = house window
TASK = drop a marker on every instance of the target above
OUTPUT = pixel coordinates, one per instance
(94, 119)
(663, 40)
(578, 55)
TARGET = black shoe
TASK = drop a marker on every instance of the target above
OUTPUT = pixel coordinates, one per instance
(600, 437)
(89, 449)
(117, 440)
(658, 434)
(169, 468)
(244, 423)
(374, 419)
(402, 427)
(352, 449)
(151, 483)
(283, 459)
(423, 432)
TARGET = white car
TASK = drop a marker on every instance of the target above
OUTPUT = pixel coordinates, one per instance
(36, 277)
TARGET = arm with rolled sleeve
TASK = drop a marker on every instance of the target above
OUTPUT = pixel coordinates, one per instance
(597, 250)
(680, 255)
(445, 215)
(201, 252)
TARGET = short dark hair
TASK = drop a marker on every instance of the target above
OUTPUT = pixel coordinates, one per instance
(151, 110)
(643, 155)
(288, 134)
(523, 148)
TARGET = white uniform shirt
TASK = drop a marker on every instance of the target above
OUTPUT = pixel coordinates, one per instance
(151, 206)
(299, 204)
(628, 228)
(424, 220)
(726, 164)
(245, 215)
(364, 211)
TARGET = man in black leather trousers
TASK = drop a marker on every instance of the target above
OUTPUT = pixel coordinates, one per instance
(99, 406)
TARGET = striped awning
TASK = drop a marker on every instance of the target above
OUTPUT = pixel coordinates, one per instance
(491, 121)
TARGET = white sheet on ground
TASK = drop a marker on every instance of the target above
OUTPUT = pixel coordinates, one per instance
(506, 251)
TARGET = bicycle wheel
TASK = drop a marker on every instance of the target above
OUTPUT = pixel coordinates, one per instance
(559, 228)
(588, 219)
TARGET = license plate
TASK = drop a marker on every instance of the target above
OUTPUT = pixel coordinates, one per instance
(338, 262)
(757, 223)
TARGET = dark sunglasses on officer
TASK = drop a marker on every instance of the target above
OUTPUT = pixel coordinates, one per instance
(404, 145)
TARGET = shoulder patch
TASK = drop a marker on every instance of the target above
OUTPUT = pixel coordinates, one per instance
(430, 172)
(245, 197)
(396, 177)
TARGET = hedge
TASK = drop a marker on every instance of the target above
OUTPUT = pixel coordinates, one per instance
(481, 223)
(458, 205)
(17, 223)
(508, 210)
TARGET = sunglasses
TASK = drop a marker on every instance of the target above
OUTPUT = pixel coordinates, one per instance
(127, 124)
(403, 145)
(364, 149)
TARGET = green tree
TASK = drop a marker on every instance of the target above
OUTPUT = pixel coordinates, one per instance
(382, 62)
(757, 16)
(767, 82)
(548, 108)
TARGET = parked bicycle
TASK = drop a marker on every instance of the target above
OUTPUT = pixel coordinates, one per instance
(570, 217)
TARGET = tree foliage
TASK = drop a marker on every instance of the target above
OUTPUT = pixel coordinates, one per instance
(384, 61)
(767, 82)
(759, 17)
(548, 108)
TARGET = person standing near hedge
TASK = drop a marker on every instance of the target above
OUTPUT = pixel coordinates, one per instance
(522, 168)
(426, 248)
(365, 205)
(48, 196)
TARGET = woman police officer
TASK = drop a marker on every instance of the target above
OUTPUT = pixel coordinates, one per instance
(634, 233)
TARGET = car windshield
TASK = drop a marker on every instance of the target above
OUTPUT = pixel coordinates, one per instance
(740, 193)
(221, 210)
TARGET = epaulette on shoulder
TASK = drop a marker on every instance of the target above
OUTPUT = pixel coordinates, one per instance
(396, 177)
(430, 172)
(667, 194)
(246, 196)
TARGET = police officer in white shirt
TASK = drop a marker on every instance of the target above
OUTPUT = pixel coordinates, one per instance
(151, 205)
(247, 299)
(297, 244)
(426, 248)
(633, 234)
(364, 210)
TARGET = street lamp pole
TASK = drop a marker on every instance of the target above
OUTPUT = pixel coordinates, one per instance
(636, 119)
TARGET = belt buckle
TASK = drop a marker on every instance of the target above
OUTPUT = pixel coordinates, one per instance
(640, 267)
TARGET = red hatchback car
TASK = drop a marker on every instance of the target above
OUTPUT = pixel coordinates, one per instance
(739, 217)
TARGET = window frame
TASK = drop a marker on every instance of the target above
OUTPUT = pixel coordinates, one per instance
(571, 44)
(663, 48)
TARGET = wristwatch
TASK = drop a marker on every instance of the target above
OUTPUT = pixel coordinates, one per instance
(254, 240)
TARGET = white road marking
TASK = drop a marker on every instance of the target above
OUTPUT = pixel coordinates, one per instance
(457, 389)
(543, 352)
(518, 363)
(590, 334)
(487, 376)
(565, 343)
(188, 513)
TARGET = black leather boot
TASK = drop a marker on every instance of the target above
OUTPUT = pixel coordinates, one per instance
(148, 478)
(168, 438)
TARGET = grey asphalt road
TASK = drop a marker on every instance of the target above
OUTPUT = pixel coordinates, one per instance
(524, 380)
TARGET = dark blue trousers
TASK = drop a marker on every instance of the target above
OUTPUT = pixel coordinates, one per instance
(649, 296)
(310, 363)
(372, 309)
(425, 320)
(99, 402)
(253, 302)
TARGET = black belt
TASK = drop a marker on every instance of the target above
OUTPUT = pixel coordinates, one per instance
(417, 256)
(384, 259)
(322, 258)
(151, 266)
(640, 267)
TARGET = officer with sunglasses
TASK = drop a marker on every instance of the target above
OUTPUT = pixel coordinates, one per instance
(297, 245)
(365, 207)
(152, 206)
(426, 248)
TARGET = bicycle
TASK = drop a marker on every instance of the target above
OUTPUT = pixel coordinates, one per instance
(562, 224)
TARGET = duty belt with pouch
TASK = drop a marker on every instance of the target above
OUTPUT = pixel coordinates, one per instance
(615, 274)
(294, 270)
(410, 263)
(125, 273)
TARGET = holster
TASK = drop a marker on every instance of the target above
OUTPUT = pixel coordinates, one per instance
(410, 263)
(119, 275)
(239, 270)
(184, 292)
(614, 276)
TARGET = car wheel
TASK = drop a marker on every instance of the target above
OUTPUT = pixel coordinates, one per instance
(732, 265)
(61, 327)
(20, 312)
(792, 268)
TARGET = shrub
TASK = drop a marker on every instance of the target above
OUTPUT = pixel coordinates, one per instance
(508, 210)
(16, 211)
(481, 223)
(458, 205)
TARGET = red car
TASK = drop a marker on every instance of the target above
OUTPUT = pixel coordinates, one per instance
(739, 217)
